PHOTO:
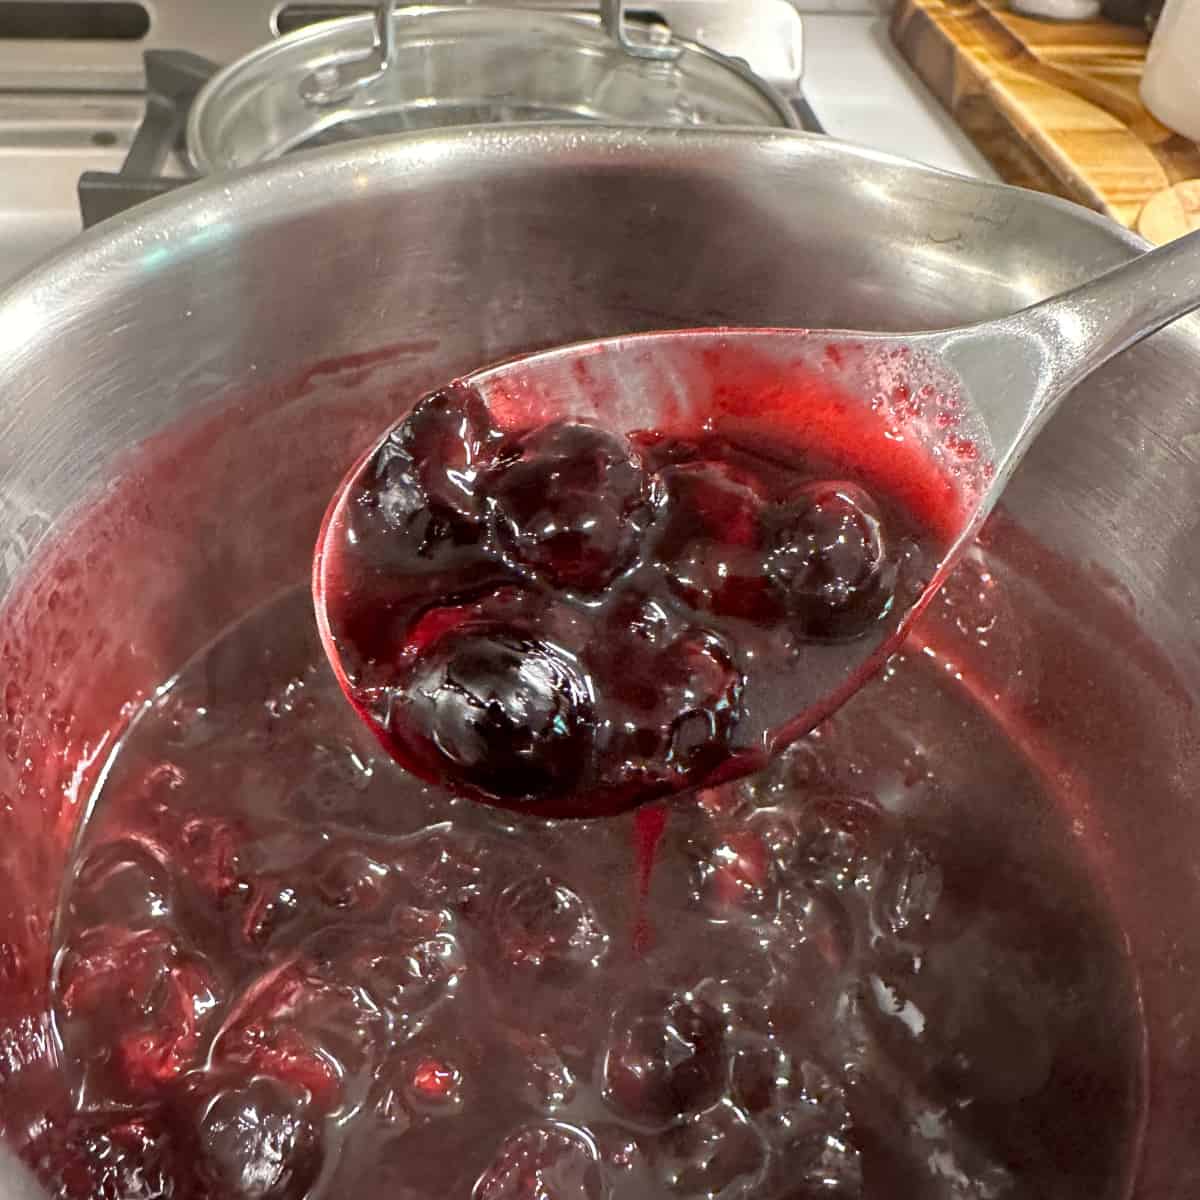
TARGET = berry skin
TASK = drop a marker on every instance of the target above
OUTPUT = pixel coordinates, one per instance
(497, 713)
(698, 672)
(257, 1143)
(447, 441)
(541, 925)
(133, 1006)
(420, 488)
(717, 1153)
(665, 1058)
(829, 560)
(672, 711)
(711, 548)
(121, 881)
(543, 1162)
(130, 1157)
(570, 504)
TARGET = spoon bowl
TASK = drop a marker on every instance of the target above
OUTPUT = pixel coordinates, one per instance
(936, 421)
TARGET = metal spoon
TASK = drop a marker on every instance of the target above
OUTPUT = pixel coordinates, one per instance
(1008, 375)
(970, 399)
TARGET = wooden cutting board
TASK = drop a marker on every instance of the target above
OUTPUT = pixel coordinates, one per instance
(1054, 106)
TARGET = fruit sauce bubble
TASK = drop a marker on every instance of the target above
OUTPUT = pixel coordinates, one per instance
(286, 968)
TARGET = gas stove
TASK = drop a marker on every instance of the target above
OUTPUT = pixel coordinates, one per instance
(99, 90)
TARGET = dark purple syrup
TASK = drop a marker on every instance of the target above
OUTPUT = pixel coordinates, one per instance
(570, 620)
(286, 968)
(882, 967)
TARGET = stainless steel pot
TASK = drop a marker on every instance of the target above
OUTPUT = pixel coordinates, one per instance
(453, 249)
(436, 66)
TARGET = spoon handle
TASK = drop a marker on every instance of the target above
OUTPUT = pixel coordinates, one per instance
(1082, 329)
(1019, 368)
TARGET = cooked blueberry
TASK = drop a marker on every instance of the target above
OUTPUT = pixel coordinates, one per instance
(349, 879)
(711, 545)
(541, 925)
(717, 1153)
(829, 560)
(671, 711)
(571, 504)
(133, 1006)
(450, 439)
(422, 481)
(302, 1025)
(646, 623)
(394, 501)
(257, 1143)
(121, 881)
(698, 673)
(501, 713)
(118, 1157)
(543, 1162)
(665, 1058)
(433, 1085)
(408, 969)
(272, 905)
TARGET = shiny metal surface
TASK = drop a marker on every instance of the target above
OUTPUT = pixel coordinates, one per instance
(1017, 371)
(459, 248)
(68, 106)
(451, 65)
(1006, 377)
(764, 33)
(612, 17)
(16, 1180)
(46, 141)
(339, 78)
(999, 382)
(883, 243)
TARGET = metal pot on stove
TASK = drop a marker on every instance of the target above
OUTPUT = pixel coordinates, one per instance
(419, 67)
(181, 392)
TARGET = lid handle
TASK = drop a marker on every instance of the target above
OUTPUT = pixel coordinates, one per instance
(612, 17)
(336, 81)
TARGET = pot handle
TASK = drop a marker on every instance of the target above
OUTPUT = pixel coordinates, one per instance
(336, 82)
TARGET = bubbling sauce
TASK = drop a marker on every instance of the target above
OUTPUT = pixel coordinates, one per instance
(286, 968)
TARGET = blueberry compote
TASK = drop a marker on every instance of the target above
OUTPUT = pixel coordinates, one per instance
(288, 969)
(573, 620)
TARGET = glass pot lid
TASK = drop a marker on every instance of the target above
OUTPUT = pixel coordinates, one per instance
(409, 67)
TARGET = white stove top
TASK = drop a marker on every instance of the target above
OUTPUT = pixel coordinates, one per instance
(863, 91)
(854, 80)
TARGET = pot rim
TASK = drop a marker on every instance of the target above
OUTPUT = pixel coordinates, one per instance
(258, 195)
